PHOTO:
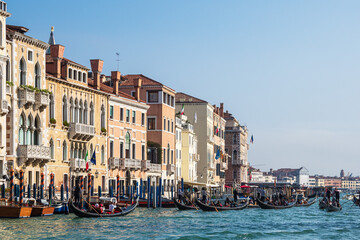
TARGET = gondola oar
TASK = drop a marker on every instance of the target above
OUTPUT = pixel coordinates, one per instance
(192, 203)
(214, 206)
(92, 208)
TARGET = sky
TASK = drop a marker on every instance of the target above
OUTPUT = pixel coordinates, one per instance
(288, 70)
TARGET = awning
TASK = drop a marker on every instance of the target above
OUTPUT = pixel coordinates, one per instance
(212, 185)
(194, 183)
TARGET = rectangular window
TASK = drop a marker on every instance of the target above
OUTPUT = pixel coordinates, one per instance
(151, 123)
(143, 152)
(169, 125)
(111, 112)
(121, 150)
(164, 124)
(143, 119)
(133, 93)
(153, 96)
(172, 126)
(127, 115)
(133, 117)
(30, 55)
(164, 98)
(133, 151)
(172, 101)
(172, 156)
(121, 114)
(164, 150)
(168, 100)
(111, 149)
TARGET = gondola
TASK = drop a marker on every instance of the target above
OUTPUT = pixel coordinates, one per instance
(306, 204)
(332, 208)
(78, 212)
(271, 206)
(322, 204)
(182, 206)
(206, 207)
(356, 201)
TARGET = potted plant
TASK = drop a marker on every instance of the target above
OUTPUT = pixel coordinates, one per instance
(66, 124)
(52, 121)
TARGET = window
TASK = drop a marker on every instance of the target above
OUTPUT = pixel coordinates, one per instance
(133, 93)
(37, 76)
(52, 150)
(121, 114)
(111, 149)
(151, 123)
(8, 71)
(85, 117)
(172, 101)
(164, 161)
(52, 107)
(127, 145)
(65, 152)
(168, 99)
(75, 75)
(172, 126)
(133, 117)
(30, 56)
(111, 112)
(234, 139)
(22, 72)
(142, 119)
(168, 154)
(234, 157)
(127, 115)
(164, 124)
(169, 125)
(143, 152)
(70, 73)
(91, 114)
(81, 110)
(153, 96)
(102, 155)
(133, 151)
(164, 98)
(121, 150)
(102, 116)
(79, 76)
(172, 156)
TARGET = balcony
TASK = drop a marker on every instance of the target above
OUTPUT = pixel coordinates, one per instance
(26, 96)
(114, 163)
(4, 107)
(210, 139)
(33, 154)
(211, 166)
(145, 165)
(128, 163)
(170, 168)
(239, 162)
(223, 165)
(78, 164)
(188, 127)
(82, 132)
(42, 100)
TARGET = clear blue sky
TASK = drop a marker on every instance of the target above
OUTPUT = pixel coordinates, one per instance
(289, 70)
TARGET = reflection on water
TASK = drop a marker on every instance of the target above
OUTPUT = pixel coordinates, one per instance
(295, 223)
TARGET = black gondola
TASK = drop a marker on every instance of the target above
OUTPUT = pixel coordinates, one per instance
(206, 207)
(306, 204)
(332, 208)
(182, 206)
(356, 201)
(78, 212)
(271, 206)
(322, 204)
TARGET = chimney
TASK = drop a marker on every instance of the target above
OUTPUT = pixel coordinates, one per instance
(57, 53)
(222, 110)
(115, 78)
(96, 68)
(137, 85)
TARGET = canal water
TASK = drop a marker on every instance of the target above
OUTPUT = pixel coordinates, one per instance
(294, 223)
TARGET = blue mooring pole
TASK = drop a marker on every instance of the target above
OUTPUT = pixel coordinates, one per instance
(34, 190)
(141, 184)
(67, 193)
(182, 184)
(99, 191)
(148, 192)
(3, 191)
(29, 191)
(62, 192)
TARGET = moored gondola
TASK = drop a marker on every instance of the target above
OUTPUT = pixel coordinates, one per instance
(306, 204)
(214, 208)
(271, 206)
(78, 212)
(182, 206)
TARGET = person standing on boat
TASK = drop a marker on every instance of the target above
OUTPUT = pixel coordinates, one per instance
(77, 193)
(337, 197)
(235, 193)
(328, 195)
(203, 194)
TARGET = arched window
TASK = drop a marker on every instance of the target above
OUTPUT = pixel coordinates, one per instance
(102, 116)
(79, 76)
(37, 76)
(52, 107)
(21, 130)
(37, 131)
(81, 112)
(127, 145)
(65, 153)
(28, 130)
(70, 73)
(91, 114)
(8, 71)
(85, 120)
(234, 139)
(72, 151)
(22, 72)
(234, 155)
(52, 150)
(102, 155)
(71, 110)
(75, 75)
(64, 109)
(84, 77)
(76, 112)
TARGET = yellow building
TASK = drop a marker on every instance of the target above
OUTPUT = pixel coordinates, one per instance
(76, 119)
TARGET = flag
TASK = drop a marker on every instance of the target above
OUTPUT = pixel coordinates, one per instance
(87, 163)
(93, 159)
(216, 129)
(195, 118)
(217, 154)
(183, 109)
(252, 139)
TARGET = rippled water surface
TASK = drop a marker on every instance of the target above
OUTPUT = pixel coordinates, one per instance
(294, 223)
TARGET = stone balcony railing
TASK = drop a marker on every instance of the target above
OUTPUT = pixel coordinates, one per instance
(26, 96)
(128, 163)
(155, 168)
(42, 100)
(238, 162)
(4, 107)
(78, 164)
(145, 165)
(34, 154)
(114, 163)
(82, 132)
(170, 168)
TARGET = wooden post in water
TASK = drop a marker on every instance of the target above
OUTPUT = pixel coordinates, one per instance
(148, 192)
(11, 185)
(42, 186)
(89, 189)
(29, 191)
(117, 188)
(160, 192)
(62, 192)
(99, 191)
(82, 190)
(21, 186)
(3, 190)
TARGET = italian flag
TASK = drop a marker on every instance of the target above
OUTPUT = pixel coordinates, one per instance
(183, 109)
(86, 160)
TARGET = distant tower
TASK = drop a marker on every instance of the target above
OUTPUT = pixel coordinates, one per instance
(51, 40)
(342, 173)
